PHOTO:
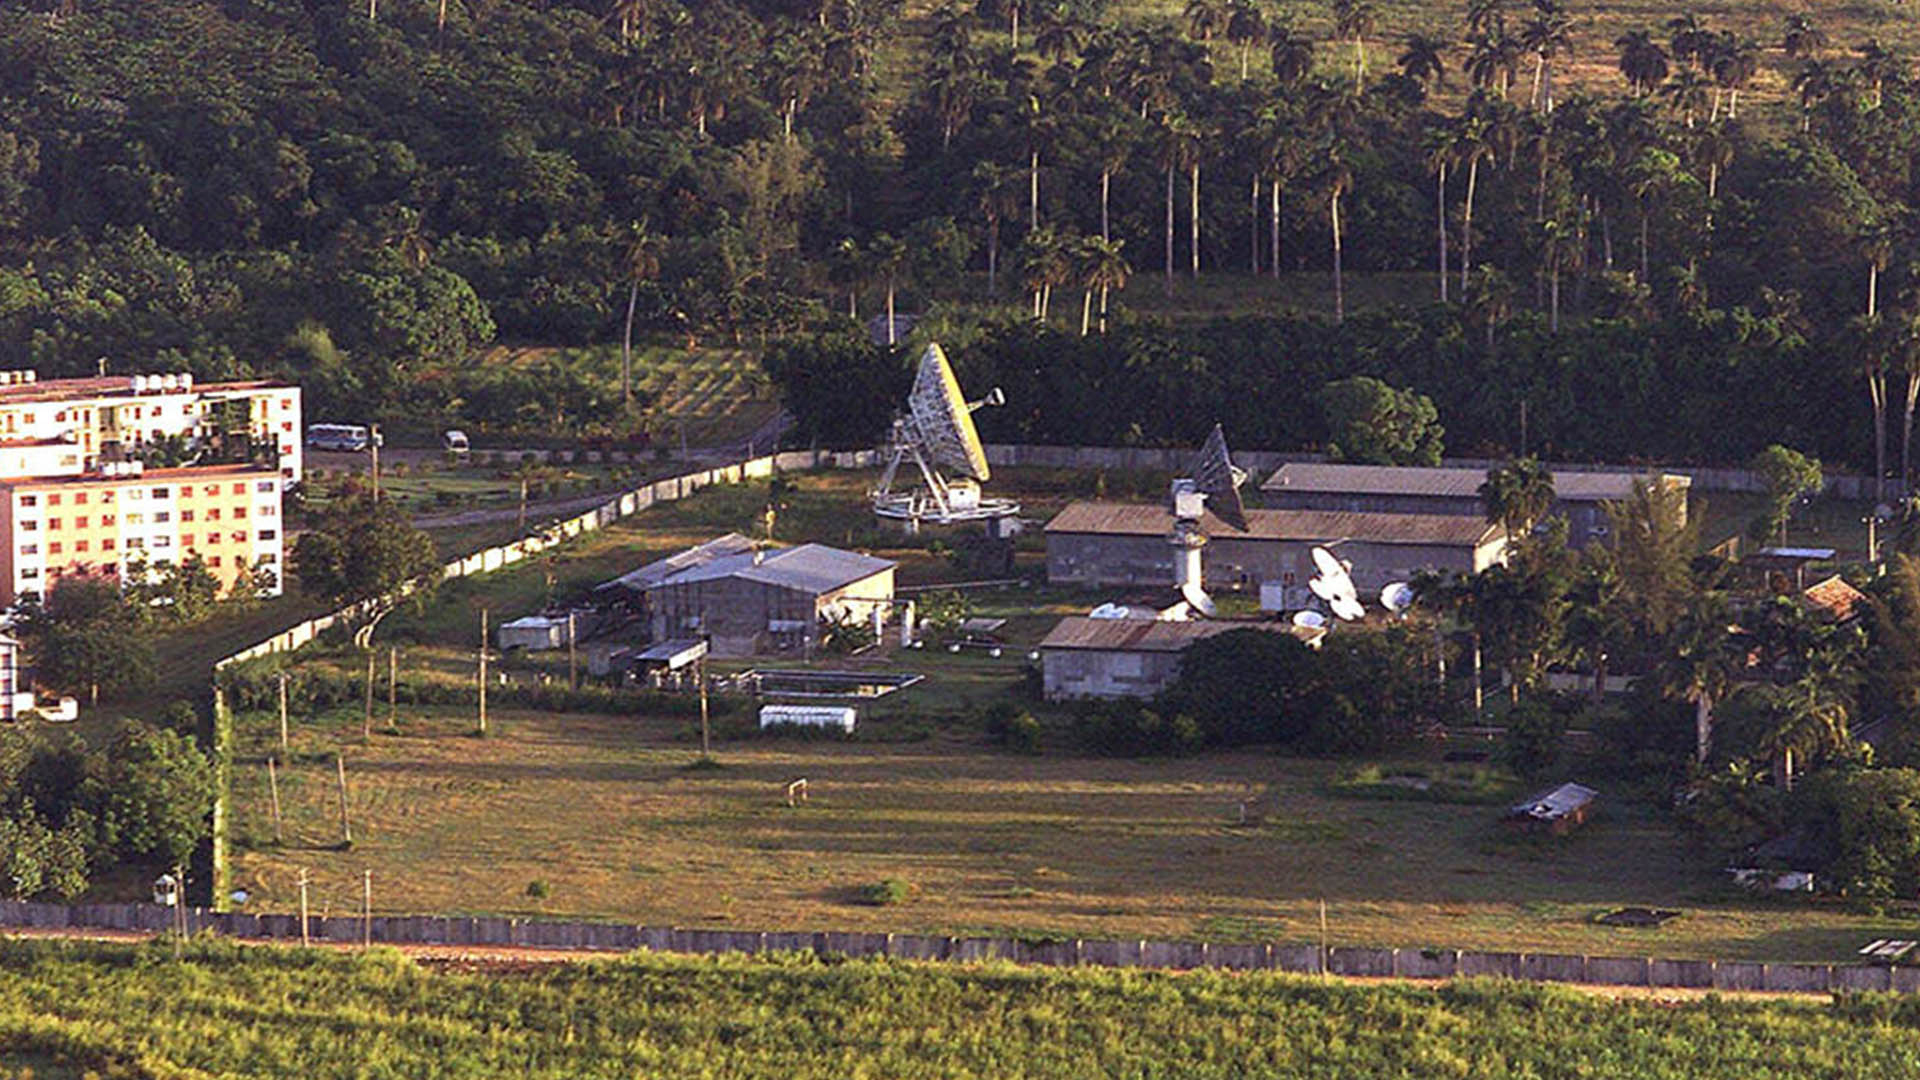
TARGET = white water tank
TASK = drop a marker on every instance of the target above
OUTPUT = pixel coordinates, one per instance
(139, 384)
(826, 716)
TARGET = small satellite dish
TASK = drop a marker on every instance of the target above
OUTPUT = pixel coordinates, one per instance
(1312, 620)
(1108, 611)
(1397, 597)
(1335, 586)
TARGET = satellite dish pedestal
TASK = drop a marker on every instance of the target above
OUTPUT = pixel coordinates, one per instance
(937, 432)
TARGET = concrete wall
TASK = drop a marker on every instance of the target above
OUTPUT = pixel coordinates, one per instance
(1076, 673)
(1172, 955)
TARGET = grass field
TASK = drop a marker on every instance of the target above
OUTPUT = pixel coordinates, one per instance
(225, 1010)
(710, 396)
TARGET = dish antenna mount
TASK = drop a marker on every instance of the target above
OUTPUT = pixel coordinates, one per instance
(1212, 485)
(936, 431)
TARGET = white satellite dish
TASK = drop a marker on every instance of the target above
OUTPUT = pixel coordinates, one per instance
(1397, 597)
(937, 432)
(1110, 611)
(1196, 596)
(1311, 620)
(1335, 585)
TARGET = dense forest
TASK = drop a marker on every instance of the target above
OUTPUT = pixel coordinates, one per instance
(361, 196)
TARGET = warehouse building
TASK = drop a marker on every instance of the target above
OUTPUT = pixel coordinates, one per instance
(756, 601)
(1108, 658)
(1093, 543)
(1384, 489)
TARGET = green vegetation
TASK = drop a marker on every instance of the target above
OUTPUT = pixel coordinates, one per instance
(133, 1011)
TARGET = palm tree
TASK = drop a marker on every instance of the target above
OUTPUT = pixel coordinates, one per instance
(1104, 267)
(1595, 622)
(1651, 174)
(1044, 263)
(1488, 299)
(1354, 20)
(1517, 495)
(994, 192)
(1059, 37)
(1337, 176)
(1686, 94)
(1492, 62)
(1246, 24)
(1547, 34)
(1803, 39)
(1654, 542)
(1291, 54)
(1554, 240)
(889, 258)
(1206, 18)
(1178, 145)
(1281, 150)
(1735, 62)
(1115, 133)
(1688, 39)
(1875, 243)
(1807, 716)
(642, 263)
(1424, 60)
(1907, 355)
(1872, 341)
(1701, 657)
(1486, 17)
(1013, 21)
(1472, 146)
(1879, 65)
(1642, 60)
(848, 269)
(1443, 152)
(1200, 137)
(1814, 82)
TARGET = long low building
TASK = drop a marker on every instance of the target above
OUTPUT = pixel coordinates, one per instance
(1107, 658)
(1390, 489)
(1100, 543)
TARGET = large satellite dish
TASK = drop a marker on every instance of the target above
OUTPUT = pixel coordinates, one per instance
(937, 432)
(1312, 620)
(1335, 585)
(1215, 476)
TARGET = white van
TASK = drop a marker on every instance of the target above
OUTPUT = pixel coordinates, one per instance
(454, 442)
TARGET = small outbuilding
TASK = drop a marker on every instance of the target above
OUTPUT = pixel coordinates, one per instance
(1557, 810)
(533, 633)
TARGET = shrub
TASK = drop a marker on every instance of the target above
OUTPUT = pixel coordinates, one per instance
(1128, 729)
(886, 893)
(537, 889)
(1535, 734)
(1013, 727)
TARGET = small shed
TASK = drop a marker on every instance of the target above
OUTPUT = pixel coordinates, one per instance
(1557, 810)
(533, 633)
(840, 717)
(671, 655)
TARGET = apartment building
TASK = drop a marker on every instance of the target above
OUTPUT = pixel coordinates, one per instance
(99, 522)
(67, 427)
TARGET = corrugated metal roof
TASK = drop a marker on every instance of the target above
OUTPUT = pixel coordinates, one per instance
(660, 570)
(811, 568)
(1555, 804)
(1309, 526)
(1151, 635)
(1443, 483)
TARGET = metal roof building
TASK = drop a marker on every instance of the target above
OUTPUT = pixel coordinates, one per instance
(1390, 489)
(1085, 657)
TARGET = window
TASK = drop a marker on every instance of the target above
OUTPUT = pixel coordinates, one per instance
(213, 538)
(29, 549)
(265, 559)
(79, 498)
(240, 488)
(54, 499)
(53, 548)
(186, 515)
(266, 511)
(268, 534)
(107, 544)
(264, 485)
(81, 545)
(53, 524)
(163, 541)
(106, 496)
(106, 521)
(136, 494)
(211, 490)
(29, 500)
(162, 493)
(29, 526)
(79, 523)
(161, 517)
(239, 512)
(29, 573)
(213, 514)
(136, 519)
(239, 538)
(134, 543)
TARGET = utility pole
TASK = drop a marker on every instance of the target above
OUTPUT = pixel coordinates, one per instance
(346, 828)
(366, 910)
(483, 671)
(283, 712)
(573, 668)
(393, 688)
(366, 716)
(700, 673)
(273, 788)
(373, 445)
(304, 939)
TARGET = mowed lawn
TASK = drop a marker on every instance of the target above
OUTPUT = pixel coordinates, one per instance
(605, 812)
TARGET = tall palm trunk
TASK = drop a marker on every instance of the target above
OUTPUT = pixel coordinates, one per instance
(1013, 12)
(1702, 725)
(1033, 191)
(626, 345)
(891, 340)
(1906, 430)
(1645, 274)
(1339, 284)
(1877, 394)
(1169, 279)
(1193, 230)
(1103, 307)
(1466, 224)
(1440, 216)
(1276, 229)
(1539, 69)
(1873, 288)
(1106, 188)
(1253, 226)
(1086, 310)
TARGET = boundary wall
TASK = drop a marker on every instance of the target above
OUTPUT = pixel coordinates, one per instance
(1107, 953)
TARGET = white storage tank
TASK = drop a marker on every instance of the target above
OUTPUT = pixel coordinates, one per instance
(824, 716)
